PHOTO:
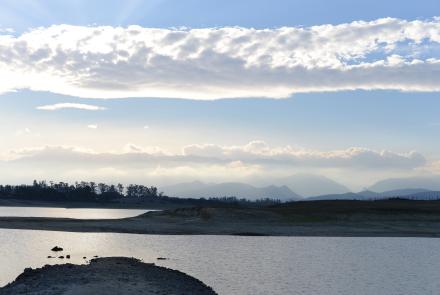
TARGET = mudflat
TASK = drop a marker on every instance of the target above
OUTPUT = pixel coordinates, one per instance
(114, 275)
(393, 218)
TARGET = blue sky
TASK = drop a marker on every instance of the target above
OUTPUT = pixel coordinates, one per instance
(207, 13)
(396, 120)
(356, 102)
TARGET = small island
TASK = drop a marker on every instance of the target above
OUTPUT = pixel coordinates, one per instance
(112, 275)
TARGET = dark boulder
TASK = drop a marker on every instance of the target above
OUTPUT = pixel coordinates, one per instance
(162, 258)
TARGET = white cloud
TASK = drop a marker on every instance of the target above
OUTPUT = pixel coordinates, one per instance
(26, 132)
(79, 106)
(23, 131)
(151, 150)
(7, 30)
(92, 126)
(209, 63)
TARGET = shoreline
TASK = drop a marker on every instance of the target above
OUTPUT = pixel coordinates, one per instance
(106, 276)
(326, 219)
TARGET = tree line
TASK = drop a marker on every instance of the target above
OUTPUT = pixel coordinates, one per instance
(101, 192)
(79, 191)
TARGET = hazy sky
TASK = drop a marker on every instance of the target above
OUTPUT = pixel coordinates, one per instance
(170, 91)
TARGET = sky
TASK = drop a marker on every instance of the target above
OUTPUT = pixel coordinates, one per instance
(161, 92)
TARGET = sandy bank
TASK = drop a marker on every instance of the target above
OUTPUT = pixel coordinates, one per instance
(116, 275)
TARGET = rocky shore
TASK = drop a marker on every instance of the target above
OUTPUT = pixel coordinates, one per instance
(113, 275)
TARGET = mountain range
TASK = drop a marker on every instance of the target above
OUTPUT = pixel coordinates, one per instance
(308, 187)
(418, 194)
(310, 184)
(199, 189)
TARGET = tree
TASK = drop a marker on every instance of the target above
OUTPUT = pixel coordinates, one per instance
(120, 189)
(102, 188)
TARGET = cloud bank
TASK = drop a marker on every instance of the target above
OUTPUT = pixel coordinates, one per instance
(254, 154)
(255, 162)
(210, 63)
(354, 157)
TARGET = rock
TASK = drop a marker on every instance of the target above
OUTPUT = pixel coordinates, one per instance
(84, 257)
(57, 249)
(27, 270)
(96, 256)
(50, 256)
(162, 258)
(106, 276)
(68, 256)
(61, 257)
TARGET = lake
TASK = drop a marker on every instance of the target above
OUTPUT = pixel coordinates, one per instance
(77, 213)
(250, 265)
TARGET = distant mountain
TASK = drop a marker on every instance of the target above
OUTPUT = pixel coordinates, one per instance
(285, 188)
(199, 189)
(417, 194)
(403, 192)
(345, 196)
(428, 195)
(367, 194)
(431, 183)
(312, 185)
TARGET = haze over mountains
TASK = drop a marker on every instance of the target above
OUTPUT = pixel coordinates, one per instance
(199, 189)
(426, 182)
(309, 187)
(310, 184)
(288, 188)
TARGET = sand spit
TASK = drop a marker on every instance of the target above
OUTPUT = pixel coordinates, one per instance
(113, 275)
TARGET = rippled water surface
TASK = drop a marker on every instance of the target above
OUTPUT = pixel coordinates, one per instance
(251, 265)
(78, 213)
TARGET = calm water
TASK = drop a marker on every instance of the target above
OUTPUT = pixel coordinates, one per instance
(78, 213)
(251, 265)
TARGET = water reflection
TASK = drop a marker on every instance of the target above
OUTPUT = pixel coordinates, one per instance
(77, 213)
